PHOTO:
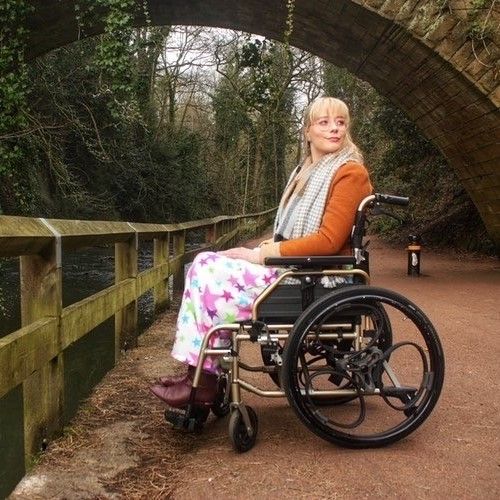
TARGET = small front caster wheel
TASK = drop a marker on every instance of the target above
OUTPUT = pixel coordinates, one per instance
(242, 439)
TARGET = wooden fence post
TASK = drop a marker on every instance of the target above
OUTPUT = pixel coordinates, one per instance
(216, 231)
(210, 236)
(126, 319)
(232, 226)
(43, 390)
(179, 243)
(161, 292)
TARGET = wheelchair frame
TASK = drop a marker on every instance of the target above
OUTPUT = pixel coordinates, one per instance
(361, 367)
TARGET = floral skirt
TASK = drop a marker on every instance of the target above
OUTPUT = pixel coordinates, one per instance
(218, 290)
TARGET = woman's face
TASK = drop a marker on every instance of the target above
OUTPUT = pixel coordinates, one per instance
(326, 134)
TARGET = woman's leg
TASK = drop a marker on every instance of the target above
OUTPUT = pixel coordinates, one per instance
(218, 290)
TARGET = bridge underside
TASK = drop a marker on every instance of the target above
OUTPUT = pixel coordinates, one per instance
(457, 112)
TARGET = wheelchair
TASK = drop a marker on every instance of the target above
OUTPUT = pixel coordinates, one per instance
(361, 366)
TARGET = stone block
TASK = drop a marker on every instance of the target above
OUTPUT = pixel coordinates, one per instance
(489, 141)
(485, 153)
(373, 4)
(495, 96)
(450, 83)
(333, 7)
(423, 17)
(463, 56)
(489, 83)
(452, 42)
(406, 11)
(440, 28)
(460, 8)
(414, 52)
(489, 194)
(473, 111)
(493, 207)
(485, 181)
(480, 63)
(390, 8)
(489, 166)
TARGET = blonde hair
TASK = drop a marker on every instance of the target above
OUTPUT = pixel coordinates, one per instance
(328, 106)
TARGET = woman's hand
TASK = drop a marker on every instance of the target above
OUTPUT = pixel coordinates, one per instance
(243, 253)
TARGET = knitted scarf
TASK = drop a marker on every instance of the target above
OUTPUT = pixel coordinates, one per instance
(304, 200)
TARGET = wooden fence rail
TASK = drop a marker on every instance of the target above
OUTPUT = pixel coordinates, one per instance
(31, 358)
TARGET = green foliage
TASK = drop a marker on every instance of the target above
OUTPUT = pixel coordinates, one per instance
(80, 161)
(13, 79)
(480, 23)
(113, 58)
(256, 57)
(231, 117)
(253, 120)
(114, 54)
(290, 7)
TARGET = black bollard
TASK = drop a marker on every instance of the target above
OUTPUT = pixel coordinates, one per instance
(414, 248)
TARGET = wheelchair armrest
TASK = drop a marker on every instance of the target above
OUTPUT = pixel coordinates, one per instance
(311, 262)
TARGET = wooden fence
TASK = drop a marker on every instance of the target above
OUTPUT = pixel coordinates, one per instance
(31, 358)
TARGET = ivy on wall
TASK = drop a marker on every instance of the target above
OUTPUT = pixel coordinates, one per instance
(481, 23)
(112, 62)
(13, 78)
(21, 133)
(113, 55)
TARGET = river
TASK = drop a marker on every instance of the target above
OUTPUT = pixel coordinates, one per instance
(84, 273)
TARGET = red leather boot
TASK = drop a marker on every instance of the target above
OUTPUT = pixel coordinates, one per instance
(172, 380)
(178, 395)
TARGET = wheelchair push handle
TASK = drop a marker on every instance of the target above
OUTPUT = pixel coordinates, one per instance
(391, 199)
(358, 230)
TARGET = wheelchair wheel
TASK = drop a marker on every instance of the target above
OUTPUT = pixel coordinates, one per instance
(388, 386)
(240, 437)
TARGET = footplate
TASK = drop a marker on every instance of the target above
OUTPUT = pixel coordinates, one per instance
(190, 419)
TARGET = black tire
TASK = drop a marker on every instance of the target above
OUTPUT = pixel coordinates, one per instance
(220, 407)
(238, 432)
(416, 400)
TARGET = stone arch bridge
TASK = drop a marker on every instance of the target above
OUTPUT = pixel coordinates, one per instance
(415, 52)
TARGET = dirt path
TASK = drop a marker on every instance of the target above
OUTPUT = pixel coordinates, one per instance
(119, 446)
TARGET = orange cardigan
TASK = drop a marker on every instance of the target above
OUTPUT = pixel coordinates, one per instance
(350, 185)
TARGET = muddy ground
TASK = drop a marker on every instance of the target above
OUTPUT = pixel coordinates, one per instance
(119, 446)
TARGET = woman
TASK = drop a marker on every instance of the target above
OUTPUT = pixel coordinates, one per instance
(315, 217)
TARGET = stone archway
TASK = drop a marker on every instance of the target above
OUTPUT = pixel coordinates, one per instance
(409, 50)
